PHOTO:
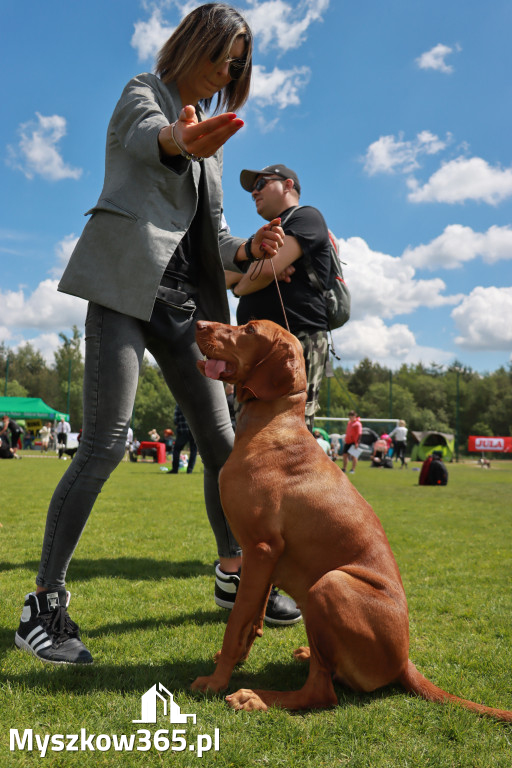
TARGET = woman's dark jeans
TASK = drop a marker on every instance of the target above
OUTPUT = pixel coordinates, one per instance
(115, 345)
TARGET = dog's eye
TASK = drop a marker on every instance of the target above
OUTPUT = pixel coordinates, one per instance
(250, 329)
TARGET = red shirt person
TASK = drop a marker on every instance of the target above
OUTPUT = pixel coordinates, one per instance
(352, 438)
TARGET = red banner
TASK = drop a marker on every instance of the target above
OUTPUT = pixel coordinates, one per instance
(494, 444)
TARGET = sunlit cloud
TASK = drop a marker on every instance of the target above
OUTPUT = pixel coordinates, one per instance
(464, 179)
(458, 245)
(435, 58)
(37, 152)
(481, 319)
(390, 154)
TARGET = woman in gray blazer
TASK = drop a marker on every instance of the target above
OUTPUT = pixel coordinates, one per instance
(151, 261)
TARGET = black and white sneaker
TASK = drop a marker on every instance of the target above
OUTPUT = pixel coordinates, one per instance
(280, 609)
(47, 631)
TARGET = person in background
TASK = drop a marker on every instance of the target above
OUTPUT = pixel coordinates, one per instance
(352, 438)
(9, 425)
(380, 450)
(388, 440)
(336, 444)
(45, 433)
(183, 436)
(399, 438)
(128, 444)
(433, 470)
(150, 262)
(168, 440)
(62, 431)
(322, 442)
(276, 191)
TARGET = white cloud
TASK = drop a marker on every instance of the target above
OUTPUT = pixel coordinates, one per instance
(275, 23)
(63, 251)
(483, 319)
(391, 345)
(5, 333)
(45, 308)
(458, 245)
(435, 58)
(384, 285)
(150, 35)
(390, 154)
(37, 152)
(370, 335)
(280, 87)
(47, 344)
(464, 179)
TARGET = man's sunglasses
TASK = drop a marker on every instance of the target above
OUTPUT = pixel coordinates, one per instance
(262, 183)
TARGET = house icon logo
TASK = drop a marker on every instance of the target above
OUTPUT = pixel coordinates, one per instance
(156, 695)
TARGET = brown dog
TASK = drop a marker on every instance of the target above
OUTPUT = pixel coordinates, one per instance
(303, 527)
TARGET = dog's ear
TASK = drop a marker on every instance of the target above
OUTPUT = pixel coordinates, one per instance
(275, 376)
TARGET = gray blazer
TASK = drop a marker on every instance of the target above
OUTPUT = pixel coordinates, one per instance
(145, 208)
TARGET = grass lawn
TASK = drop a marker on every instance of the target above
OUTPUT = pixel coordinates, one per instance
(142, 591)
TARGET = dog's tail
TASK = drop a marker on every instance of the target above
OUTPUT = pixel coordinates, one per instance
(414, 682)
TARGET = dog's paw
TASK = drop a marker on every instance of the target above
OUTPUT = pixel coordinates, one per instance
(302, 654)
(208, 683)
(246, 699)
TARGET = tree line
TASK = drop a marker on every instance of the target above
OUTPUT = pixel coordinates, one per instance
(452, 399)
(25, 373)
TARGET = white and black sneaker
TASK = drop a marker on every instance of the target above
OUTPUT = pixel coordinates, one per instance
(280, 609)
(47, 631)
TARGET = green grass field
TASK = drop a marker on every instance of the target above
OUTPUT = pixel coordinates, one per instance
(142, 591)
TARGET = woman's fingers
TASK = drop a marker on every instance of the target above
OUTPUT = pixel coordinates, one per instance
(205, 138)
(269, 239)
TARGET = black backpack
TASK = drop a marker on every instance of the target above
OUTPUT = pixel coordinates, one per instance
(437, 473)
(337, 295)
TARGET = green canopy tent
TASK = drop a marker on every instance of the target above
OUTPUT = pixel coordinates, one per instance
(29, 408)
(428, 442)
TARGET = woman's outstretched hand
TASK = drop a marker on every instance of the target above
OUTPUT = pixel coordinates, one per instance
(201, 139)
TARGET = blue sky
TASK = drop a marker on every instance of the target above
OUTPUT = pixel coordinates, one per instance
(396, 117)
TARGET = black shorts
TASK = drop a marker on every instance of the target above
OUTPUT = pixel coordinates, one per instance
(347, 446)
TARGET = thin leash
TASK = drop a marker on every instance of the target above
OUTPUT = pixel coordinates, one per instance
(256, 274)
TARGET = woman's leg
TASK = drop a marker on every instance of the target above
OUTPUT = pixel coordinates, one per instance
(114, 350)
(205, 408)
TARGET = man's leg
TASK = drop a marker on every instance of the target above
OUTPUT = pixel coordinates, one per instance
(179, 444)
(315, 347)
(192, 455)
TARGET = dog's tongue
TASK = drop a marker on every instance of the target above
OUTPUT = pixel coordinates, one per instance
(214, 368)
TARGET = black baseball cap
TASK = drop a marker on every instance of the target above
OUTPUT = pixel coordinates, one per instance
(248, 178)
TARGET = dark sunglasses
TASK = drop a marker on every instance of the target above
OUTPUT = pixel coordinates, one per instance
(236, 68)
(262, 183)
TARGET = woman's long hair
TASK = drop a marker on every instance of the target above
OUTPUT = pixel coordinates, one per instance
(209, 30)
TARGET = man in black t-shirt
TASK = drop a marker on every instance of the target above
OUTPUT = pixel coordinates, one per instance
(275, 191)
